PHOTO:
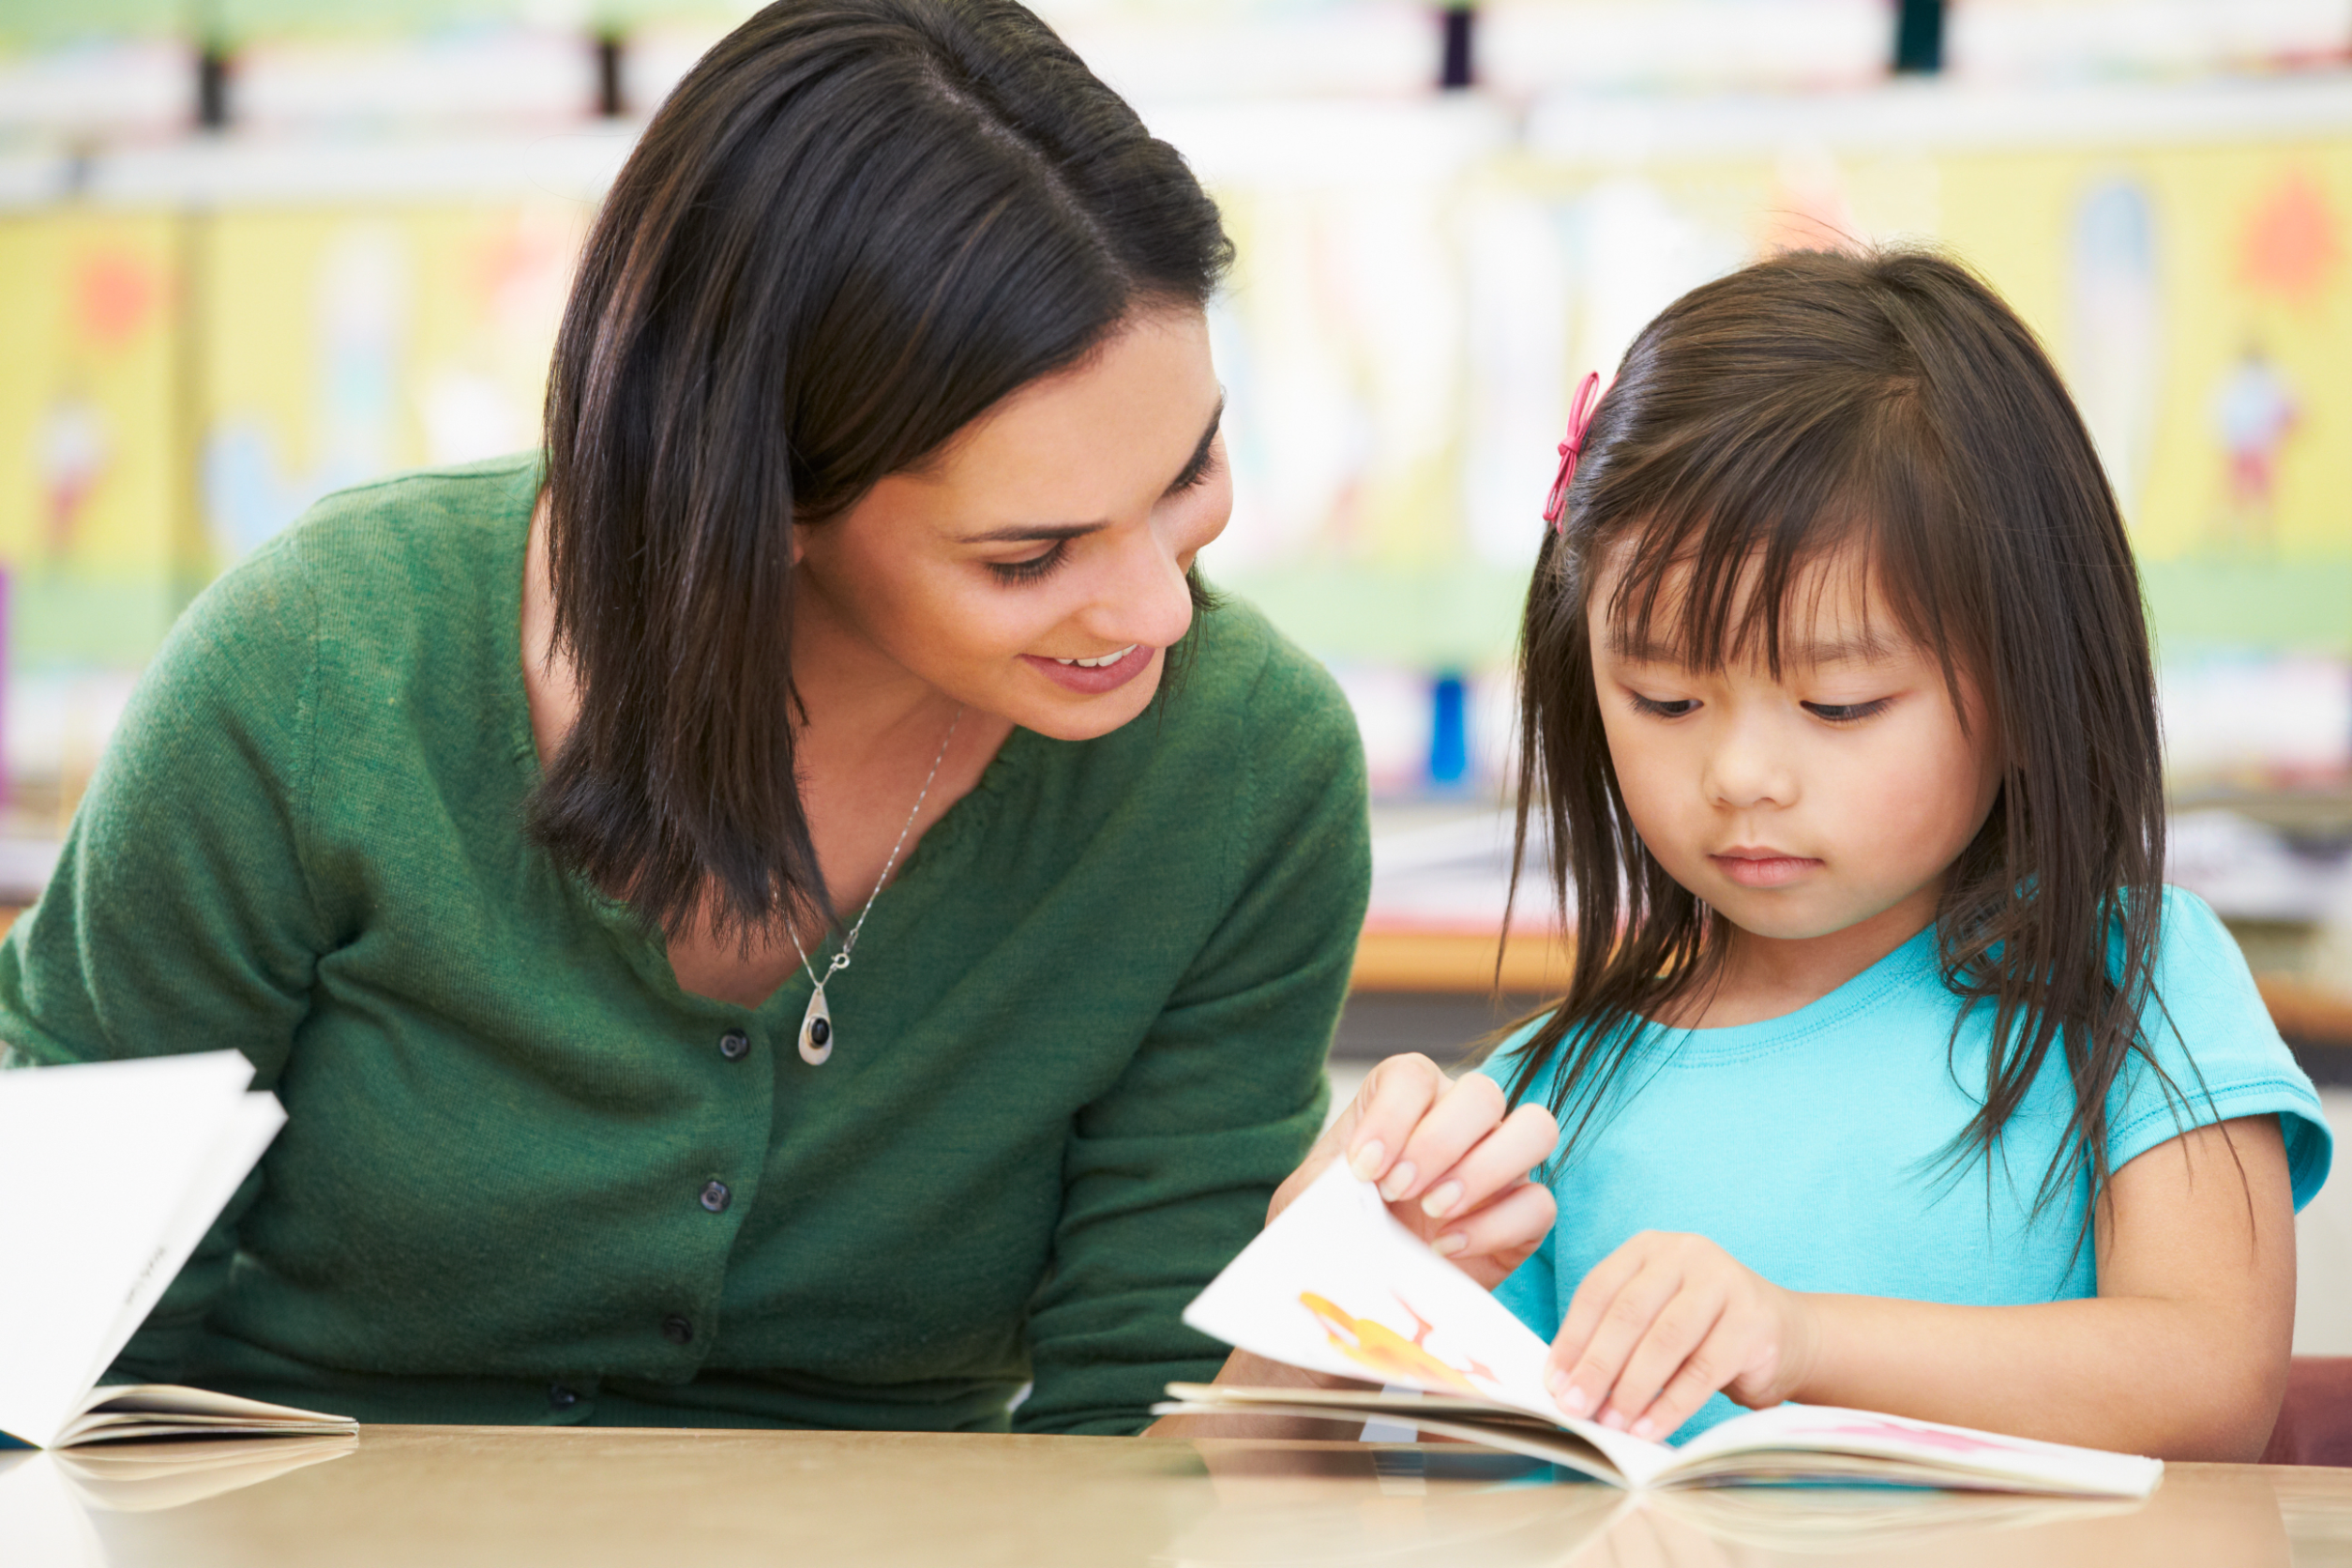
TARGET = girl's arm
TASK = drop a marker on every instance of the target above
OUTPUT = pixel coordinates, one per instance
(2182, 1354)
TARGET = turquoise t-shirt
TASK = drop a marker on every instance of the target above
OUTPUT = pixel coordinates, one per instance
(1808, 1146)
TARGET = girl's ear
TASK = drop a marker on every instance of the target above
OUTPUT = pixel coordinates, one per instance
(800, 541)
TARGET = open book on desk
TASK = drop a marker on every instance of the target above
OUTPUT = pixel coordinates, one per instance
(1335, 1285)
(110, 1175)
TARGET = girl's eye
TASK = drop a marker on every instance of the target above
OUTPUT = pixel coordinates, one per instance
(1674, 708)
(1846, 713)
(1035, 568)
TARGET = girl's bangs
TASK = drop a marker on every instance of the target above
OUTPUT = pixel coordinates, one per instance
(1733, 564)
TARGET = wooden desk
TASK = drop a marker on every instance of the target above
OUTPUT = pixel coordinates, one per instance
(451, 1498)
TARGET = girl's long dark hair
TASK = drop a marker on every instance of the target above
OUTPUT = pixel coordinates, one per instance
(1889, 403)
(852, 229)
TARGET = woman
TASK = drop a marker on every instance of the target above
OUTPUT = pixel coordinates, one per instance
(520, 823)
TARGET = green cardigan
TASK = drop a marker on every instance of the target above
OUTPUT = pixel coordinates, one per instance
(1082, 1042)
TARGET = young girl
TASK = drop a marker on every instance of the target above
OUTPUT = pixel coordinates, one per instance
(1905, 1084)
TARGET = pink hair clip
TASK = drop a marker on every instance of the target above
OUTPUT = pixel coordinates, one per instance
(1579, 420)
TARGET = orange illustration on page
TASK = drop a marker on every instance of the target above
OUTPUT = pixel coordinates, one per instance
(1389, 1355)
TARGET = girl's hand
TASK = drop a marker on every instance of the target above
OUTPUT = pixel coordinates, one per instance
(1451, 1158)
(1665, 1321)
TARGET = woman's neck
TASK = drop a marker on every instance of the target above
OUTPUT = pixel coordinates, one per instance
(873, 734)
(861, 710)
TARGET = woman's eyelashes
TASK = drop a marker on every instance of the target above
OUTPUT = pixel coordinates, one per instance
(1034, 569)
(1658, 707)
(1038, 567)
(1204, 462)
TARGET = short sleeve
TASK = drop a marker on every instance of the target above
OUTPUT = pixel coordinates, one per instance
(2208, 1029)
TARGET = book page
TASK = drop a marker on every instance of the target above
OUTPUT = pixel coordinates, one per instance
(1335, 1285)
(243, 1137)
(1958, 1451)
(95, 1163)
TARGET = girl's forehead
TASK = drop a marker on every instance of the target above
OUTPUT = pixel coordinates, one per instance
(1832, 610)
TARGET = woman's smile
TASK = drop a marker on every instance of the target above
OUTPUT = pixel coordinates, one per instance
(1098, 673)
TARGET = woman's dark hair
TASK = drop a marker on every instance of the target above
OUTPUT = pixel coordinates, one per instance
(852, 229)
(1890, 403)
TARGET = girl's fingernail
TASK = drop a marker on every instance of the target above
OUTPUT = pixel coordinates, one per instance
(1575, 1401)
(1553, 1381)
(1614, 1421)
(1400, 1177)
(1366, 1162)
(1449, 1244)
(1441, 1199)
(1645, 1428)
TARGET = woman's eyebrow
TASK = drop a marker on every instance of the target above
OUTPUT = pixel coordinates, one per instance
(1020, 532)
(1023, 532)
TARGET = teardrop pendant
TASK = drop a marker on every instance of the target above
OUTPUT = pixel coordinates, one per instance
(816, 1030)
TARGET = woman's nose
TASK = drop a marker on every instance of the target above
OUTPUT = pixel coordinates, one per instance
(1141, 596)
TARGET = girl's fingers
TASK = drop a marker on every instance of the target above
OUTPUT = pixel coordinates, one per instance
(1510, 1226)
(1461, 1116)
(1495, 1163)
(1622, 1324)
(1682, 1326)
(1395, 1099)
(1593, 1297)
(1702, 1375)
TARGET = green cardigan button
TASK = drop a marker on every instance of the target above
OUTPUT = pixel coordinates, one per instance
(716, 1197)
(677, 1329)
(734, 1044)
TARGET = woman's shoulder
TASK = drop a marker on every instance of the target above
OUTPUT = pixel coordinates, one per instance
(1250, 749)
(408, 539)
(397, 572)
(1241, 673)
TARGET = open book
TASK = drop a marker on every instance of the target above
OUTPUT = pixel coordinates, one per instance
(1335, 1285)
(110, 1175)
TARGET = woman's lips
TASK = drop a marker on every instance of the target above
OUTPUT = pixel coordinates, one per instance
(1762, 868)
(1102, 678)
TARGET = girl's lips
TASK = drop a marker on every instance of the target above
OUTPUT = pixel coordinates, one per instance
(1094, 683)
(1768, 870)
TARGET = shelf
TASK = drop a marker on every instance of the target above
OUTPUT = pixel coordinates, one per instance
(1392, 960)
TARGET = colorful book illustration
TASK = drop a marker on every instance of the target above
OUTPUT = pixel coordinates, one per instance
(1336, 1286)
(112, 1172)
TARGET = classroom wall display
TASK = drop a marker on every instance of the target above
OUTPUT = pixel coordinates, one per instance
(342, 345)
(2073, 40)
(1419, 284)
(96, 516)
(179, 386)
(1399, 352)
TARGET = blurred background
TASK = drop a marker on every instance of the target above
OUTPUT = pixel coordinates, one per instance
(252, 251)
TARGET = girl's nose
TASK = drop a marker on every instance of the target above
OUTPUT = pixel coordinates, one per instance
(1746, 769)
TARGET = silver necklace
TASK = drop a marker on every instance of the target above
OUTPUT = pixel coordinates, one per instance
(816, 1025)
